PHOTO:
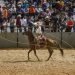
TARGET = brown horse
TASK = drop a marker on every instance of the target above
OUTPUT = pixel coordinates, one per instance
(48, 43)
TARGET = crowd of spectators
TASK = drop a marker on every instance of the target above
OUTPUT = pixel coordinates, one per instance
(53, 15)
(8, 16)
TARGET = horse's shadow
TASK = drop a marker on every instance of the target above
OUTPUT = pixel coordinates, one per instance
(21, 61)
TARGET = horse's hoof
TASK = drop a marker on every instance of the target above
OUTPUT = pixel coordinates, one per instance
(39, 60)
(28, 59)
(47, 60)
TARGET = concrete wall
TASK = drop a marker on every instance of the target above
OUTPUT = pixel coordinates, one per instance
(9, 40)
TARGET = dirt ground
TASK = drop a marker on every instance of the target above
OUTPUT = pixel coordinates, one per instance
(14, 62)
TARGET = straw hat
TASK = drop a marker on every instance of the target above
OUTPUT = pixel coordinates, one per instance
(19, 2)
(19, 15)
(4, 6)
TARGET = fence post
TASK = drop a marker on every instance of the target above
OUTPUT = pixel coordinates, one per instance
(17, 38)
(61, 37)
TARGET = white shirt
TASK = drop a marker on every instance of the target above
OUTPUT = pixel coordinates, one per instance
(24, 22)
(73, 17)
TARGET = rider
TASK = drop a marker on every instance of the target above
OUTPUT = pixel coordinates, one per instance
(41, 39)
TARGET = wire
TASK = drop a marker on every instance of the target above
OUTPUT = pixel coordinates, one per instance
(63, 41)
(35, 44)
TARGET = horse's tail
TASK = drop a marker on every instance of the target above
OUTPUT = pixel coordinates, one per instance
(58, 46)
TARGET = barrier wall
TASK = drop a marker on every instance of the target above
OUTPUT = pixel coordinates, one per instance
(9, 40)
(68, 38)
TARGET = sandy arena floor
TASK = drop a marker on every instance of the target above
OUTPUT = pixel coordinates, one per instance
(14, 62)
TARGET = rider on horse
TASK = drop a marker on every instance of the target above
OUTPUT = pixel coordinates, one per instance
(41, 39)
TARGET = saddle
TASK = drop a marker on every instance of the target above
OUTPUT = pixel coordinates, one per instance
(41, 40)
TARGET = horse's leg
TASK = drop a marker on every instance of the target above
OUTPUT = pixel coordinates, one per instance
(61, 50)
(28, 53)
(36, 55)
(50, 50)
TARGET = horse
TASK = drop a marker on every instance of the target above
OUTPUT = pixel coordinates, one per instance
(48, 43)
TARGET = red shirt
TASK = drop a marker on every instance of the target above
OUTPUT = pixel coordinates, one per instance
(32, 10)
(70, 23)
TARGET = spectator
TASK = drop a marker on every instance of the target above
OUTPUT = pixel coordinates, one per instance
(30, 23)
(24, 23)
(12, 25)
(0, 11)
(1, 23)
(18, 23)
(70, 24)
(32, 11)
(5, 13)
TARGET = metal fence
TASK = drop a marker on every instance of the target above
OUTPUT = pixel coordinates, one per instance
(62, 37)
